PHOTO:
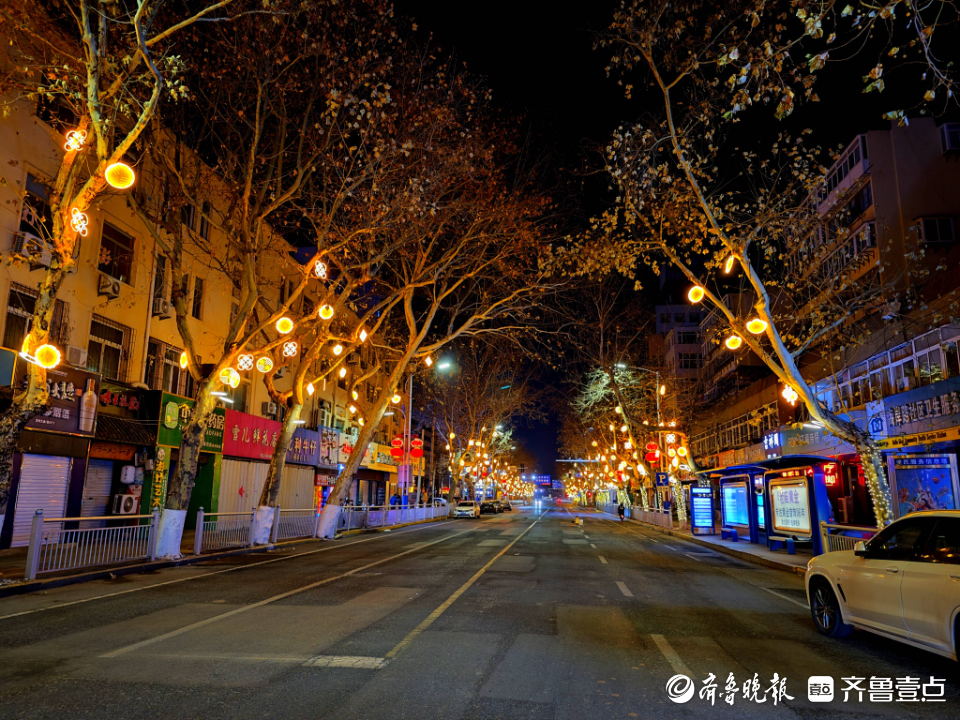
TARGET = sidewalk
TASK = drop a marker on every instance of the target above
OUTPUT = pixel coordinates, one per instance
(757, 554)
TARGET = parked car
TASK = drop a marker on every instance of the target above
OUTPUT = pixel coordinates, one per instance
(466, 508)
(489, 506)
(903, 584)
(506, 505)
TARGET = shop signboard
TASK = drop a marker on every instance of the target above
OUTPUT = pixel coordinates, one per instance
(928, 408)
(304, 448)
(174, 416)
(663, 480)
(250, 436)
(701, 510)
(726, 458)
(790, 505)
(114, 399)
(73, 396)
(328, 452)
(812, 440)
(924, 482)
(112, 451)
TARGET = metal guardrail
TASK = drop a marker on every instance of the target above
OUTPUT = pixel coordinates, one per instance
(836, 537)
(53, 548)
(217, 531)
(355, 517)
(294, 523)
(635, 512)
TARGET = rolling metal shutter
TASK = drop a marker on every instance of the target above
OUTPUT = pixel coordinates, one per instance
(43, 486)
(236, 474)
(296, 488)
(96, 490)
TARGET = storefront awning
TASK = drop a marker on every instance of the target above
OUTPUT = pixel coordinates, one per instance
(111, 428)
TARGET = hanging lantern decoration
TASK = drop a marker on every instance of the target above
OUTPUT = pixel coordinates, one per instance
(671, 452)
(652, 456)
(733, 342)
(670, 438)
(354, 394)
(652, 445)
(618, 409)
(337, 349)
(675, 462)
(184, 359)
(343, 372)
(229, 376)
(79, 221)
(352, 408)
(47, 356)
(290, 348)
(395, 399)
(245, 362)
(119, 176)
(623, 428)
(320, 269)
(363, 335)
(416, 447)
(428, 361)
(682, 451)
(75, 140)
(326, 312)
(757, 326)
(396, 447)
(310, 389)
(264, 364)
(790, 395)
(284, 325)
(728, 265)
(696, 294)
(361, 422)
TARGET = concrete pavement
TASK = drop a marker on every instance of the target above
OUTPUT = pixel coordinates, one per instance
(519, 615)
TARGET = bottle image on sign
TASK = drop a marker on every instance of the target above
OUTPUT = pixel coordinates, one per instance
(88, 407)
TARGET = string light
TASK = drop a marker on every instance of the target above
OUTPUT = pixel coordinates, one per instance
(264, 364)
(75, 140)
(79, 221)
(245, 362)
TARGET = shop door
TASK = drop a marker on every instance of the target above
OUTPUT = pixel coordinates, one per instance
(241, 483)
(296, 488)
(43, 486)
(96, 491)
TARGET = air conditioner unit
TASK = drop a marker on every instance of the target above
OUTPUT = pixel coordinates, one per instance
(280, 373)
(268, 408)
(125, 504)
(76, 356)
(33, 248)
(108, 286)
(162, 308)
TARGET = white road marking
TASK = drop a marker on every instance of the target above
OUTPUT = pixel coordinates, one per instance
(347, 661)
(602, 559)
(693, 557)
(209, 621)
(671, 655)
(593, 546)
(215, 572)
(624, 589)
(784, 597)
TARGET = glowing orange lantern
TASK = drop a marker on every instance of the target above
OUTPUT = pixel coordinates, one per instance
(264, 364)
(284, 325)
(119, 176)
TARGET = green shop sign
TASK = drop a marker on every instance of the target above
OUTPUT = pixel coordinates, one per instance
(174, 415)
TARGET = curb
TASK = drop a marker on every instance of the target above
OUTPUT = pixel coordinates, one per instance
(739, 554)
(102, 574)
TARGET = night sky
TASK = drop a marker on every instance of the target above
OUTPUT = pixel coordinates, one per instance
(539, 60)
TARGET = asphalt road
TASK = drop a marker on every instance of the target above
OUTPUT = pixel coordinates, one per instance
(521, 615)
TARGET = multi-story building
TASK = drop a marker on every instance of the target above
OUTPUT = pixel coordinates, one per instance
(682, 353)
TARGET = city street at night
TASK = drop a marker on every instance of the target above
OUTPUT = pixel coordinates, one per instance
(519, 615)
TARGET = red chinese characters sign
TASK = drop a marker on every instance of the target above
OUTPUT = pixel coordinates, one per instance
(249, 436)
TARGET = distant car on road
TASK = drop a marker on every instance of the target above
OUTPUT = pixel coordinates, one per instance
(505, 504)
(466, 508)
(489, 506)
(903, 584)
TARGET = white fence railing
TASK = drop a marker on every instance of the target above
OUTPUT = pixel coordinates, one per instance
(54, 548)
(651, 517)
(218, 531)
(294, 523)
(355, 517)
(843, 537)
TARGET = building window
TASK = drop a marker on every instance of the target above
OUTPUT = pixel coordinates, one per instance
(687, 338)
(160, 277)
(20, 306)
(197, 308)
(931, 367)
(109, 348)
(204, 229)
(56, 113)
(936, 230)
(35, 211)
(187, 213)
(690, 361)
(116, 253)
(164, 371)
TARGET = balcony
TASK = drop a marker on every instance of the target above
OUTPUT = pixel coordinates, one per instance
(843, 174)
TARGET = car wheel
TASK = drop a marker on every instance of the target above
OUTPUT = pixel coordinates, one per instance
(826, 611)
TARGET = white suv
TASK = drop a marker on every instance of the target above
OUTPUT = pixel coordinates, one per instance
(903, 584)
(467, 508)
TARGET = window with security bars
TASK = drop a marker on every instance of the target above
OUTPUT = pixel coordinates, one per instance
(197, 309)
(109, 348)
(21, 303)
(163, 369)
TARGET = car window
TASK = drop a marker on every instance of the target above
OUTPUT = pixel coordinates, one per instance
(465, 504)
(902, 540)
(943, 546)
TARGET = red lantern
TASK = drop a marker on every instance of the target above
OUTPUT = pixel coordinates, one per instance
(652, 446)
(652, 456)
(416, 448)
(396, 447)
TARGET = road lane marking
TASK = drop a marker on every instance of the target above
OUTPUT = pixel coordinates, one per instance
(593, 546)
(624, 589)
(784, 597)
(347, 661)
(216, 618)
(602, 559)
(216, 572)
(428, 621)
(671, 655)
(693, 557)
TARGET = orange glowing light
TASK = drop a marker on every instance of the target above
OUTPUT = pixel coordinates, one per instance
(696, 294)
(120, 176)
(733, 342)
(284, 325)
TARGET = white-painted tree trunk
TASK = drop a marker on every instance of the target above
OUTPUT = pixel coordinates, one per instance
(327, 527)
(262, 525)
(170, 533)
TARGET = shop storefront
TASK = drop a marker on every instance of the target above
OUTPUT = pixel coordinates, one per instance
(300, 470)
(49, 469)
(169, 414)
(328, 466)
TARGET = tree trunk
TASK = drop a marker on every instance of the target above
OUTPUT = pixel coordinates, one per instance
(331, 511)
(181, 484)
(267, 507)
(26, 406)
